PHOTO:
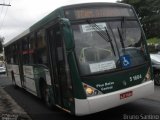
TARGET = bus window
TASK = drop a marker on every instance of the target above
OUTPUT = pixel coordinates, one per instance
(25, 46)
(32, 46)
(15, 53)
(92, 50)
(41, 48)
(12, 56)
(129, 40)
(97, 54)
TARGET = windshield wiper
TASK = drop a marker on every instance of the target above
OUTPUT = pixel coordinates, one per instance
(121, 37)
(104, 35)
(122, 32)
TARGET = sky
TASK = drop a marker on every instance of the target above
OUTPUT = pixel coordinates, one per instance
(22, 14)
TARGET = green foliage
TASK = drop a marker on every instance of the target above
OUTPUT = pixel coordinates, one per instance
(153, 40)
(149, 14)
(153, 45)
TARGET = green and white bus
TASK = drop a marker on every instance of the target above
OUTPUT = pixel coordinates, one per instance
(83, 58)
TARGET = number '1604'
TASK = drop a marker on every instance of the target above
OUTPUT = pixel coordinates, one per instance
(135, 77)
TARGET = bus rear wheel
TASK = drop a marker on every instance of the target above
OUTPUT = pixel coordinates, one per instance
(46, 95)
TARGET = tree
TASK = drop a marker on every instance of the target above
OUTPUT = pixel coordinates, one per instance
(1, 44)
(149, 14)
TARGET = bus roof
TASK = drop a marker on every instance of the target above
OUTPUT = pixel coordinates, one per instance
(59, 13)
(96, 4)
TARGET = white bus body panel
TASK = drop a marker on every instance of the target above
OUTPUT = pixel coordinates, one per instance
(16, 75)
(110, 100)
(29, 81)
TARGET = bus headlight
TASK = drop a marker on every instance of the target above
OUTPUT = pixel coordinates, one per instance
(91, 91)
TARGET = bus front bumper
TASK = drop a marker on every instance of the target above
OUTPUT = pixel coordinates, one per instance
(103, 102)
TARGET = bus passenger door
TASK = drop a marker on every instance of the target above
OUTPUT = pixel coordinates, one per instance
(58, 67)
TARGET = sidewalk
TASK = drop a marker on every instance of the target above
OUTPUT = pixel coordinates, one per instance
(9, 109)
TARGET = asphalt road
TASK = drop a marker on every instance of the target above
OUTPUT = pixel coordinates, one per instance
(4, 80)
(147, 108)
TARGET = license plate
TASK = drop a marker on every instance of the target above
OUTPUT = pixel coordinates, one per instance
(126, 94)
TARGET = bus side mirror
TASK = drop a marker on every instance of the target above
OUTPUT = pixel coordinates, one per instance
(67, 34)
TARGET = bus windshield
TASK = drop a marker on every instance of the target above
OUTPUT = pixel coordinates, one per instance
(96, 55)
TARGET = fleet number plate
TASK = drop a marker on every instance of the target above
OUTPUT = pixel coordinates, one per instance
(126, 94)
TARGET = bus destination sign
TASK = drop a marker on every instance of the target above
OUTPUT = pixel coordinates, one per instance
(97, 12)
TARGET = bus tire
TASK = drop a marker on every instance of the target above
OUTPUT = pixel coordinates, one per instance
(46, 95)
(157, 78)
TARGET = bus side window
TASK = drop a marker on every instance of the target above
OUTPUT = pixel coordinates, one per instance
(25, 57)
(15, 53)
(32, 46)
(41, 48)
(12, 54)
